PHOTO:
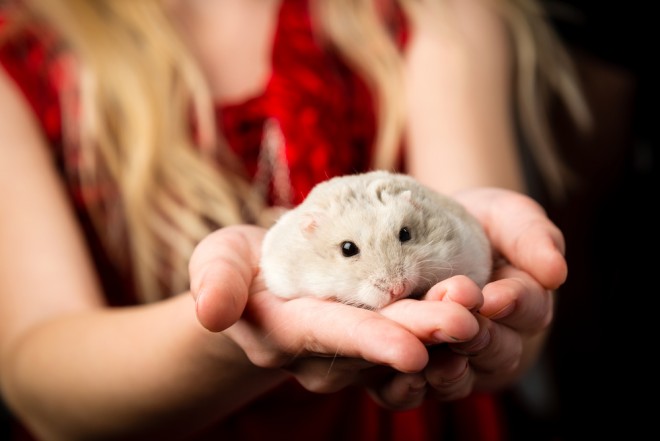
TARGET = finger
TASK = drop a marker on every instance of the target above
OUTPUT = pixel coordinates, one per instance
(516, 299)
(448, 374)
(458, 289)
(401, 391)
(221, 270)
(313, 327)
(327, 375)
(497, 348)
(433, 321)
(520, 230)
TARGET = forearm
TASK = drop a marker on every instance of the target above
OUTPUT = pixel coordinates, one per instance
(130, 372)
(461, 130)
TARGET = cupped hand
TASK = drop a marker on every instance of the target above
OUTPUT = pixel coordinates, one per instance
(518, 302)
(516, 312)
(517, 305)
(326, 345)
(397, 352)
(520, 232)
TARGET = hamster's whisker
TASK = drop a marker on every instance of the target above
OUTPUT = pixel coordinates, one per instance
(332, 363)
(432, 264)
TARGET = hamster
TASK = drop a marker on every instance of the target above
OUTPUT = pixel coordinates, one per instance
(370, 239)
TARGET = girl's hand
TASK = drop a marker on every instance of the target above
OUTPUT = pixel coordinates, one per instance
(326, 345)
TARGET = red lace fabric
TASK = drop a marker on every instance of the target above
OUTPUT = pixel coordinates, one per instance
(324, 111)
(326, 118)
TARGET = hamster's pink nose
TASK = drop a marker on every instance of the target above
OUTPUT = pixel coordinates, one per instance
(397, 291)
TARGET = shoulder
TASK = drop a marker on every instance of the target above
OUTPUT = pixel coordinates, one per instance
(16, 121)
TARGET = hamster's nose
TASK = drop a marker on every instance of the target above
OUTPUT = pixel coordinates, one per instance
(397, 291)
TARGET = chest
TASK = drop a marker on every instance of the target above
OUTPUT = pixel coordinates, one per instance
(233, 42)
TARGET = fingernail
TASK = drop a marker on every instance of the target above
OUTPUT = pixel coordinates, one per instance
(201, 295)
(440, 337)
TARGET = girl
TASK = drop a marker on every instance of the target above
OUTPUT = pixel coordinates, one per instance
(131, 131)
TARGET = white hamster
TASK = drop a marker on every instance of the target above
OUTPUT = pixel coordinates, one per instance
(370, 239)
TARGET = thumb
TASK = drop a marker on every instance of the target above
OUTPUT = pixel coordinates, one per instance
(222, 269)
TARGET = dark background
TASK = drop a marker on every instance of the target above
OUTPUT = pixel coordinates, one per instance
(598, 378)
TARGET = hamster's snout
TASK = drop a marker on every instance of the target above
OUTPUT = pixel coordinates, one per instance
(397, 291)
(392, 290)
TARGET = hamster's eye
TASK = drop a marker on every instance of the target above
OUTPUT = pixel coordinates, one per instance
(404, 235)
(349, 249)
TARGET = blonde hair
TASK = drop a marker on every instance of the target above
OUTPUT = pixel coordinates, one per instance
(140, 89)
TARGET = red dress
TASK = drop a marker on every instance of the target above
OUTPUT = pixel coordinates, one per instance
(326, 118)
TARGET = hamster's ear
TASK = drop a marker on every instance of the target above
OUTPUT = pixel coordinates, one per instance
(310, 221)
(394, 194)
(407, 197)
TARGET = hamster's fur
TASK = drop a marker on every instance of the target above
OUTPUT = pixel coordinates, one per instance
(370, 239)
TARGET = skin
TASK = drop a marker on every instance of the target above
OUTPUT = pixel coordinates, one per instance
(461, 136)
(68, 371)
